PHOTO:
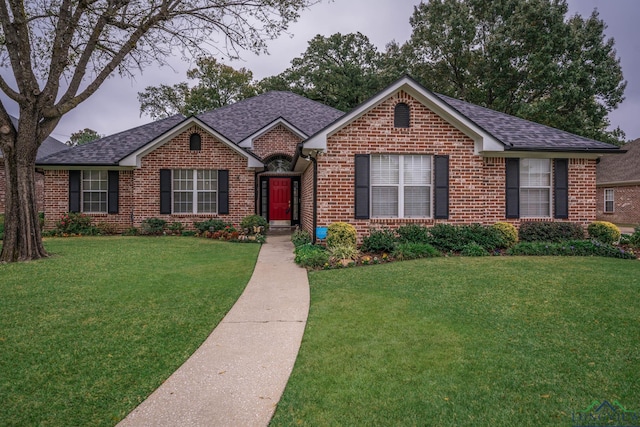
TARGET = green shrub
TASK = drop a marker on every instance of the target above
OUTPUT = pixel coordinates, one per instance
(131, 231)
(473, 249)
(106, 228)
(571, 248)
(414, 250)
(1, 226)
(188, 233)
(153, 226)
(344, 252)
(254, 224)
(379, 241)
(300, 237)
(531, 231)
(311, 256)
(604, 232)
(210, 225)
(413, 233)
(176, 228)
(634, 239)
(341, 234)
(454, 238)
(507, 232)
(75, 223)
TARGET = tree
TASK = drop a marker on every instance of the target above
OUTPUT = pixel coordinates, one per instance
(339, 70)
(218, 85)
(82, 137)
(521, 57)
(59, 52)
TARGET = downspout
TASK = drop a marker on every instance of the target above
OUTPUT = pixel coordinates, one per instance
(315, 191)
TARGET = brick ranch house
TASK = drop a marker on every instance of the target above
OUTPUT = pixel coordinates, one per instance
(618, 186)
(407, 155)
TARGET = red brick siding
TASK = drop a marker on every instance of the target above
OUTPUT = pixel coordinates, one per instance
(278, 140)
(139, 191)
(626, 205)
(476, 185)
(306, 193)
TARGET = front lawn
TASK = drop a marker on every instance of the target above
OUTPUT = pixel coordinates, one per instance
(495, 341)
(87, 334)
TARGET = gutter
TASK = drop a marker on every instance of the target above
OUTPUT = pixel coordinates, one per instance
(315, 189)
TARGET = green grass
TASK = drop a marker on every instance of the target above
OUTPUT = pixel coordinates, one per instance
(497, 341)
(87, 334)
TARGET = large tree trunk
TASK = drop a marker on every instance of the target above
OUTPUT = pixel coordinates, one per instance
(22, 234)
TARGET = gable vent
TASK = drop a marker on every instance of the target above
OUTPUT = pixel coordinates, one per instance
(401, 118)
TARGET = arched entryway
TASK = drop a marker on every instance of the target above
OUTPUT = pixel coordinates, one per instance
(280, 193)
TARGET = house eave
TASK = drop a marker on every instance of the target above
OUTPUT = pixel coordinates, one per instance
(546, 153)
(83, 166)
(631, 183)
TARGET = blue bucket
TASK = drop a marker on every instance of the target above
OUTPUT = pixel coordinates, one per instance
(321, 232)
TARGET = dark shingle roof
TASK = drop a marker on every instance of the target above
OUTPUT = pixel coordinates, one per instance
(235, 122)
(620, 167)
(113, 148)
(246, 117)
(520, 134)
(50, 146)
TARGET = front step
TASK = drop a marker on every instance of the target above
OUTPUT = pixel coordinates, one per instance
(280, 227)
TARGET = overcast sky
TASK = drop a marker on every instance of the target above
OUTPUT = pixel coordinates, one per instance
(115, 106)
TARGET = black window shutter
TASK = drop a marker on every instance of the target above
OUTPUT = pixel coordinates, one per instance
(223, 192)
(362, 186)
(74, 191)
(112, 200)
(512, 188)
(165, 191)
(441, 187)
(561, 188)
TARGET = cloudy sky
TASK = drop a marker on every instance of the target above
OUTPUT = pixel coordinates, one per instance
(115, 106)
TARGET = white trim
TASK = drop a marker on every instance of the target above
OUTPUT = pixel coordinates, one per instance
(248, 141)
(134, 159)
(483, 141)
(540, 154)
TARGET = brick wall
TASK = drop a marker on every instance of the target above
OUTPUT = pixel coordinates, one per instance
(139, 190)
(626, 205)
(278, 140)
(476, 184)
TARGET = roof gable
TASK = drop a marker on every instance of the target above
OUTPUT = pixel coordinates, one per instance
(134, 158)
(493, 132)
(483, 140)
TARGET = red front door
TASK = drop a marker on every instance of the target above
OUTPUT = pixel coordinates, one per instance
(279, 199)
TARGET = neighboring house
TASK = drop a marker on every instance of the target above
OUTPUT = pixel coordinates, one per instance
(405, 156)
(618, 184)
(48, 147)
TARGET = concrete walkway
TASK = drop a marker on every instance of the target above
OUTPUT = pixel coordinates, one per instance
(237, 376)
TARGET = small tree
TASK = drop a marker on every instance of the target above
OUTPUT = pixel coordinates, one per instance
(82, 137)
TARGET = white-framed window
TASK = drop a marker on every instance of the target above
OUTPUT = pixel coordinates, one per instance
(535, 188)
(401, 186)
(608, 199)
(95, 184)
(194, 191)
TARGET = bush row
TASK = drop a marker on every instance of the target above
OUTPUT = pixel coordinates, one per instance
(417, 241)
(253, 228)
